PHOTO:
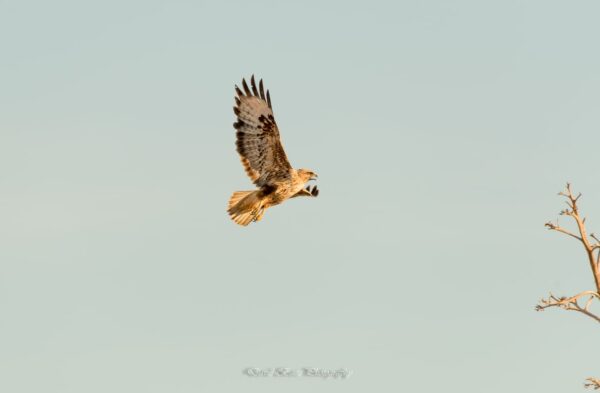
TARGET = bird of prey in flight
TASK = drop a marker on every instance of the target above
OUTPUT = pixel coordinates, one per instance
(262, 155)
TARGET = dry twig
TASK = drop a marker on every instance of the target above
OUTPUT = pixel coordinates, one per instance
(570, 303)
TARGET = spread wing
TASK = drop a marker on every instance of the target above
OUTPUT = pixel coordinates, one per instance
(258, 141)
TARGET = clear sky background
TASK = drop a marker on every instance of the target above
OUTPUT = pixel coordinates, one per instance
(441, 132)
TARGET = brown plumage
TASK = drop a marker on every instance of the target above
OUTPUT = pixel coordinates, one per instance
(262, 155)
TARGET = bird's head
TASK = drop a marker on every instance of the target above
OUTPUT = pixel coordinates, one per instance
(306, 175)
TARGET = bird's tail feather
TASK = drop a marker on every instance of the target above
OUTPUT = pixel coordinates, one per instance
(244, 206)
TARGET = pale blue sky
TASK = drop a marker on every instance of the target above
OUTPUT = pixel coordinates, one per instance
(441, 132)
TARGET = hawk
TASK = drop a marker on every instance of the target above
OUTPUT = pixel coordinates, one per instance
(263, 158)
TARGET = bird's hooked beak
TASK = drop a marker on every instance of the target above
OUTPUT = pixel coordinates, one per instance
(314, 176)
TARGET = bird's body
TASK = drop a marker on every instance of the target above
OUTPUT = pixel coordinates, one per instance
(263, 158)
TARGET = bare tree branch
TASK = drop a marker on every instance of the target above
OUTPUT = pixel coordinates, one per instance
(593, 383)
(590, 248)
(555, 227)
(572, 303)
